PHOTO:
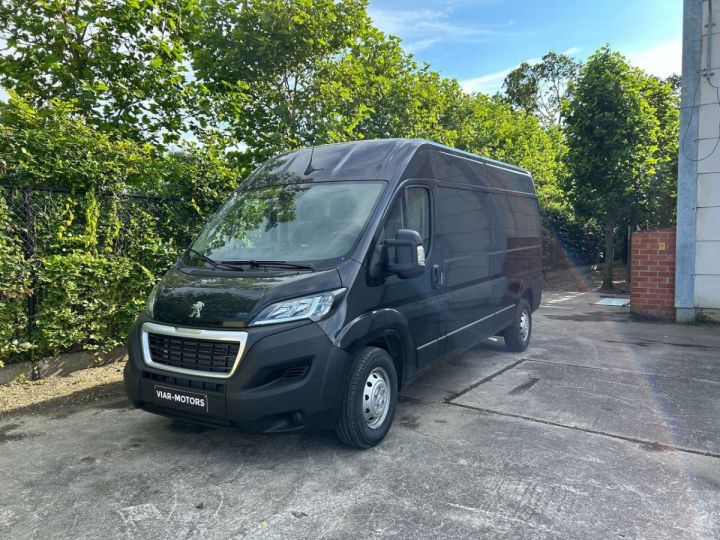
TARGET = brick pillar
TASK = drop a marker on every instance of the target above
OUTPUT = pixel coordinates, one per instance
(652, 292)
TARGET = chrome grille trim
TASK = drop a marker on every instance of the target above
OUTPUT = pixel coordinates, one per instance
(192, 333)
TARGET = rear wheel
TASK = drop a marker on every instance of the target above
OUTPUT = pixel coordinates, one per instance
(369, 399)
(517, 336)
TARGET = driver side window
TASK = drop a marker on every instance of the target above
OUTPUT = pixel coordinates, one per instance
(410, 211)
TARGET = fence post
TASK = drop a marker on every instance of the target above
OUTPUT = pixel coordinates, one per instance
(29, 249)
(628, 269)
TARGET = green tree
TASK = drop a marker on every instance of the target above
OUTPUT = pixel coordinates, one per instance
(612, 133)
(492, 128)
(656, 208)
(121, 62)
(289, 74)
(54, 145)
(376, 90)
(261, 60)
(541, 88)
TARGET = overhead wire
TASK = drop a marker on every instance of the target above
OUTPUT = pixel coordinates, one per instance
(708, 74)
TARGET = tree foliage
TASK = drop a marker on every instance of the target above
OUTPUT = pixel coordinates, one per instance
(612, 135)
(54, 145)
(121, 62)
(656, 206)
(542, 87)
(263, 60)
(492, 128)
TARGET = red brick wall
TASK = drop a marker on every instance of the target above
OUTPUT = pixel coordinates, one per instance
(653, 274)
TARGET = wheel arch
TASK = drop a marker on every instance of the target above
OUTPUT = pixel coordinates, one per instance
(386, 329)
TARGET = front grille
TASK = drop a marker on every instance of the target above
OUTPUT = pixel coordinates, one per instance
(295, 372)
(182, 382)
(196, 354)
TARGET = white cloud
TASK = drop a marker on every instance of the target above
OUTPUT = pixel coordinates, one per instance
(418, 46)
(492, 82)
(397, 22)
(423, 28)
(572, 51)
(487, 84)
(661, 60)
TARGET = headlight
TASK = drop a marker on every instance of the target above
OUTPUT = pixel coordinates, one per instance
(313, 307)
(150, 304)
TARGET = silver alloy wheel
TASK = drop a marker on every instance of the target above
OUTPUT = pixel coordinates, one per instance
(376, 398)
(524, 325)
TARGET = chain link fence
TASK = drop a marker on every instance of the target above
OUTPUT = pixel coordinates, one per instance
(75, 266)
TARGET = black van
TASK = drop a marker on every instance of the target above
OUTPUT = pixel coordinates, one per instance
(333, 277)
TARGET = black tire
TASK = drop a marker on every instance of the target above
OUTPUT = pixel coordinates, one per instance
(352, 426)
(515, 339)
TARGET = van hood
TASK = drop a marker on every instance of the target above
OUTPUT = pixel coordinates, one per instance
(231, 299)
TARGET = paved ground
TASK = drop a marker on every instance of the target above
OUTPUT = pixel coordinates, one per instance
(603, 428)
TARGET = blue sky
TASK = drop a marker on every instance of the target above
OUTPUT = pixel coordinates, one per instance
(479, 41)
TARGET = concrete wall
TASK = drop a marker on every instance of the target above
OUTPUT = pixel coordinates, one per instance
(707, 250)
(698, 232)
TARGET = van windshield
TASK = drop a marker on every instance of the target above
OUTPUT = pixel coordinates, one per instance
(294, 222)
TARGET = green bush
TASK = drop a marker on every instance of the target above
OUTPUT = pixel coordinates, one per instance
(568, 241)
(87, 301)
(14, 289)
(112, 216)
(96, 258)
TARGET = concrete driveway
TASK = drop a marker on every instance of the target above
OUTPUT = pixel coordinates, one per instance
(603, 428)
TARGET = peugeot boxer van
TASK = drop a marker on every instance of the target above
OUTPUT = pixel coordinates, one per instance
(332, 278)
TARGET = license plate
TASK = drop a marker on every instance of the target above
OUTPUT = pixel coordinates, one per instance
(189, 401)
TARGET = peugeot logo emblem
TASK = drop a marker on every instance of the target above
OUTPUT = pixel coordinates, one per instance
(196, 309)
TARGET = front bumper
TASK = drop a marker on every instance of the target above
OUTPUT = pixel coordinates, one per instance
(259, 396)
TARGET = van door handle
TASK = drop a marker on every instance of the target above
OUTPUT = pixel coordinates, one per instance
(437, 277)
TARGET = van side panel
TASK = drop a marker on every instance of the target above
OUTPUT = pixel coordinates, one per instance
(472, 243)
(491, 244)
(500, 177)
(521, 261)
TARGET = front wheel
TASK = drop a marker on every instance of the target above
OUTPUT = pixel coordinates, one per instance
(517, 336)
(369, 399)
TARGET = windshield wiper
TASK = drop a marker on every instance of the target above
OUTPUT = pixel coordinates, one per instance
(271, 264)
(213, 262)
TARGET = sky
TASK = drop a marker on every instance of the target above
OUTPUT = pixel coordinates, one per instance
(479, 41)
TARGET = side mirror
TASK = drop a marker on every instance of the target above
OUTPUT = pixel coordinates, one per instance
(409, 257)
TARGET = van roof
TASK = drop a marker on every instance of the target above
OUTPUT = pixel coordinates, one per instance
(376, 159)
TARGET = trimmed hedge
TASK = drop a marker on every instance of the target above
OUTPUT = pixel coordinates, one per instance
(14, 290)
(94, 261)
(87, 301)
(570, 242)
(88, 222)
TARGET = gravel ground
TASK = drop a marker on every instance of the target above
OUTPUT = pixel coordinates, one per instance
(78, 388)
(572, 280)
